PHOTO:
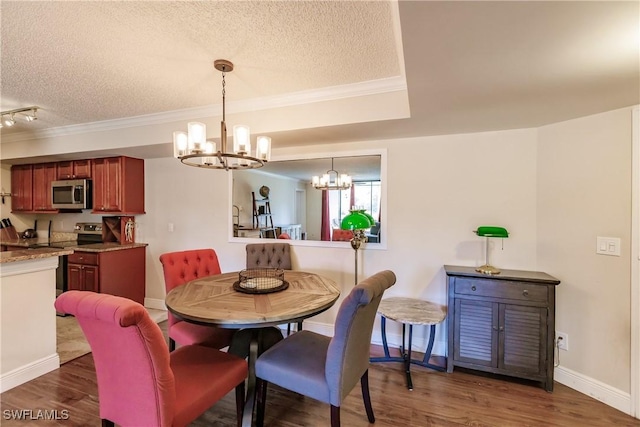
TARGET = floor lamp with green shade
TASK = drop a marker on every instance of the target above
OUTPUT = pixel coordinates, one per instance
(357, 221)
(487, 231)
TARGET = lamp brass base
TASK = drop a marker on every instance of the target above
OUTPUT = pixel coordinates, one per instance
(488, 269)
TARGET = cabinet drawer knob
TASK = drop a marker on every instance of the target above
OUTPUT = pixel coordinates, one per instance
(495, 328)
(525, 293)
(473, 288)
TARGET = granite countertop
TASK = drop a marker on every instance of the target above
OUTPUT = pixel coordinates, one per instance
(42, 242)
(29, 254)
(107, 247)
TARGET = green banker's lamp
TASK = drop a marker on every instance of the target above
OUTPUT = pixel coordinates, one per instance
(357, 221)
(487, 232)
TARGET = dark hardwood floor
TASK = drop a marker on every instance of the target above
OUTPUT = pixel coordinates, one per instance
(438, 399)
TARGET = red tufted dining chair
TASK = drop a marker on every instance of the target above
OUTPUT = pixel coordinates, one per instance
(180, 268)
(139, 382)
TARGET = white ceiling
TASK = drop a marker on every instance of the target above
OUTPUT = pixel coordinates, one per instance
(461, 66)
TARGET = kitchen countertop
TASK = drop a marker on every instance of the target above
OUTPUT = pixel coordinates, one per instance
(107, 247)
(29, 254)
(95, 247)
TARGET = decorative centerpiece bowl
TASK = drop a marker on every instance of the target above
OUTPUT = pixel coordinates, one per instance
(261, 281)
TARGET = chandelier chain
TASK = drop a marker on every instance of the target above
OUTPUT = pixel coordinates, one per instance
(224, 92)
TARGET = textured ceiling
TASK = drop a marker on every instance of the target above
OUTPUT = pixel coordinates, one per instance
(92, 61)
(468, 66)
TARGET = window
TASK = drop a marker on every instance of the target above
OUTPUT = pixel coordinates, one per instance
(366, 195)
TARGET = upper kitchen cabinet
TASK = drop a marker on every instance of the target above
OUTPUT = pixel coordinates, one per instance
(21, 188)
(76, 169)
(43, 175)
(118, 185)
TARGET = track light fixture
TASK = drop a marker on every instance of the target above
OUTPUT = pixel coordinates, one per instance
(8, 118)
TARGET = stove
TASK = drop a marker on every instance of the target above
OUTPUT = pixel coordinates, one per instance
(88, 233)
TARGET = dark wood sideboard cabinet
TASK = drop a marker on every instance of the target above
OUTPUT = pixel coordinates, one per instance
(502, 324)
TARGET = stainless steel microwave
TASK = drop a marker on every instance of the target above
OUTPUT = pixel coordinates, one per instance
(71, 194)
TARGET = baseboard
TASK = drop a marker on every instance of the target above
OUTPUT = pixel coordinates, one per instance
(157, 304)
(591, 387)
(588, 386)
(28, 372)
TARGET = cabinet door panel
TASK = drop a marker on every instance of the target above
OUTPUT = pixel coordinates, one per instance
(74, 277)
(82, 168)
(43, 175)
(521, 342)
(22, 188)
(91, 281)
(474, 330)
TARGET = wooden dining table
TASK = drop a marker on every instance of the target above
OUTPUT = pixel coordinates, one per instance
(213, 301)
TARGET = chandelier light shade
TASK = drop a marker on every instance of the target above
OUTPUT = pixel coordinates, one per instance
(194, 149)
(332, 180)
(8, 118)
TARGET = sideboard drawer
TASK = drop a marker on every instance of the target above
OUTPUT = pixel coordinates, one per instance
(501, 289)
(83, 258)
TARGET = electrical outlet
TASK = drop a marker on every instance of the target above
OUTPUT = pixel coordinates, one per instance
(562, 341)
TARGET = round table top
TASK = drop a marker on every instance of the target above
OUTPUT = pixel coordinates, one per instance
(412, 311)
(212, 300)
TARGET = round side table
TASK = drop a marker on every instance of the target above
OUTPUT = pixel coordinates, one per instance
(410, 311)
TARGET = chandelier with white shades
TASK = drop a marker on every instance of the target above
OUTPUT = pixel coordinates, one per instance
(194, 149)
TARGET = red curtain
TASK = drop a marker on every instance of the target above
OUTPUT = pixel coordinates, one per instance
(325, 226)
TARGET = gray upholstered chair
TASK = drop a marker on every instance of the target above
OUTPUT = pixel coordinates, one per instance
(274, 255)
(326, 368)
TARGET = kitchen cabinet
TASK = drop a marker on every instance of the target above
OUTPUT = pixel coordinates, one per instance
(502, 324)
(116, 272)
(118, 185)
(74, 169)
(83, 272)
(21, 188)
(43, 175)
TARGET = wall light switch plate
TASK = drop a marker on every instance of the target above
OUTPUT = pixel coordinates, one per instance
(608, 246)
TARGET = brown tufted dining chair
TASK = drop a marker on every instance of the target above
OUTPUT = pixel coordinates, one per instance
(180, 268)
(269, 255)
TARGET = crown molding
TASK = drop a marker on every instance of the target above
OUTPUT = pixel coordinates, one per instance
(372, 87)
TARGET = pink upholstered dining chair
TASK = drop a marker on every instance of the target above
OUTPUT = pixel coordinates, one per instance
(139, 382)
(180, 268)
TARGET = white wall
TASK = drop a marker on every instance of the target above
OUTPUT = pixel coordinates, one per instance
(437, 195)
(584, 191)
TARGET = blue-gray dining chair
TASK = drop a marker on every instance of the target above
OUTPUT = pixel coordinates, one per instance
(326, 368)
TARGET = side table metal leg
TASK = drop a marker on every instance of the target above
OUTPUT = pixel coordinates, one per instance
(385, 346)
(407, 357)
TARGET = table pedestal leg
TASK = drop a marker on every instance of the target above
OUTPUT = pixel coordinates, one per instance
(250, 343)
(247, 416)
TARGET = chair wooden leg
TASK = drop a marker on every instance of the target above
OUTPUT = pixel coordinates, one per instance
(261, 391)
(335, 416)
(172, 344)
(240, 402)
(107, 423)
(364, 383)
